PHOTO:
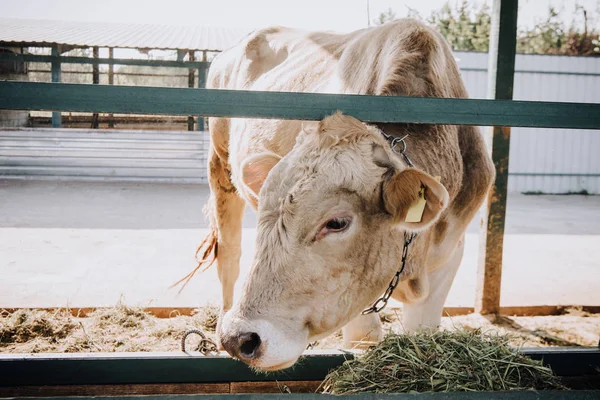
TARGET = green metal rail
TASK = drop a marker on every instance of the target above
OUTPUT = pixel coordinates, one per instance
(302, 106)
(165, 368)
(97, 61)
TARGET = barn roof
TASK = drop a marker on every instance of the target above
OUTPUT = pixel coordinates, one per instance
(30, 32)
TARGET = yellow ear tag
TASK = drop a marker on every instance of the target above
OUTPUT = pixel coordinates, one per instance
(416, 209)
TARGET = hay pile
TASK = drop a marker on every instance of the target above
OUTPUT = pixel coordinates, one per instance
(23, 326)
(113, 329)
(440, 362)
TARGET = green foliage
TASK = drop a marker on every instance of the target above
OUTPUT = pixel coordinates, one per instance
(552, 37)
(384, 17)
(467, 28)
(463, 29)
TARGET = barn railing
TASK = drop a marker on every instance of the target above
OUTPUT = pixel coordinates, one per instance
(56, 61)
(41, 96)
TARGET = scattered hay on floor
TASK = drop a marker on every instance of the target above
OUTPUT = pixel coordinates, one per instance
(208, 317)
(23, 326)
(114, 329)
(127, 328)
(121, 315)
(440, 362)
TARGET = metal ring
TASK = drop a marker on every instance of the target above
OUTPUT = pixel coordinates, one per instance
(395, 142)
(206, 345)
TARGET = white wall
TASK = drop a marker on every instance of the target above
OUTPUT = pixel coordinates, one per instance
(547, 160)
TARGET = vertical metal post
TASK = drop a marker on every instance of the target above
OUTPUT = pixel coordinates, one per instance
(191, 72)
(501, 69)
(111, 81)
(95, 81)
(56, 116)
(201, 85)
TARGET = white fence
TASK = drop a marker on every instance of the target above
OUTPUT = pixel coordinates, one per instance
(547, 160)
(105, 155)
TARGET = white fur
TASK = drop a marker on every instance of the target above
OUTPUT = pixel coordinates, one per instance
(428, 313)
(280, 348)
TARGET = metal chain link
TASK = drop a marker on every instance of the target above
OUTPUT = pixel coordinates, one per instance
(383, 300)
(206, 345)
(394, 142)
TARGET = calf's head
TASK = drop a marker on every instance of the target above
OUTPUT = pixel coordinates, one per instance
(331, 218)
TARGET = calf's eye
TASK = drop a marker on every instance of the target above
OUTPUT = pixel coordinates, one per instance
(337, 224)
(334, 225)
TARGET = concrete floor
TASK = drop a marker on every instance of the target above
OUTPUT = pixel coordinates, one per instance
(83, 244)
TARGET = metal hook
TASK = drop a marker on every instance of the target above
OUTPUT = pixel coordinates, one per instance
(206, 345)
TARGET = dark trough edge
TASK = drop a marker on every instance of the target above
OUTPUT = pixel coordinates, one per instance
(158, 368)
(514, 395)
(302, 106)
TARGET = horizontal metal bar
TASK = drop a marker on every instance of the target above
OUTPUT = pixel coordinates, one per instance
(146, 368)
(302, 106)
(557, 174)
(93, 61)
(533, 71)
(45, 45)
(124, 368)
(64, 72)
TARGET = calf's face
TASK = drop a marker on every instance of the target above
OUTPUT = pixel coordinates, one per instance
(331, 219)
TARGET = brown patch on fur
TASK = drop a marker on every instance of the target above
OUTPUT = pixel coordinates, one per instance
(402, 58)
(256, 47)
(400, 191)
(216, 168)
(411, 290)
(336, 272)
(415, 286)
(412, 75)
(478, 176)
(440, 230)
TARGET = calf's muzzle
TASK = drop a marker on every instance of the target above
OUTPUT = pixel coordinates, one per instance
(244, 346)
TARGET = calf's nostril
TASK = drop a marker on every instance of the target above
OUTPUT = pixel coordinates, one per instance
(249, 344)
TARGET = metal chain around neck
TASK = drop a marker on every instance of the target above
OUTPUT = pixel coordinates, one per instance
(408, 237)
(383, 300)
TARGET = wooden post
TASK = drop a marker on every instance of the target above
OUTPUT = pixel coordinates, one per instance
(111, 81)
(95, 81)
(191, 72)
(201, 85)
(56, 116)
(501, 69)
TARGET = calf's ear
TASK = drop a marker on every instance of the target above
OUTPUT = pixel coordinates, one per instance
(255, 170)
(414, 199)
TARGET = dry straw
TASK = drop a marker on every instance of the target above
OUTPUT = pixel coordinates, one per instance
(440, 362)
